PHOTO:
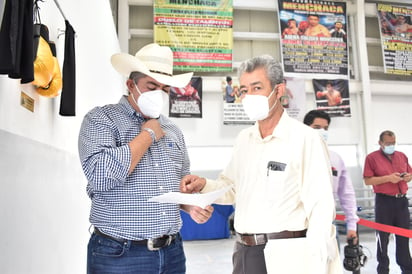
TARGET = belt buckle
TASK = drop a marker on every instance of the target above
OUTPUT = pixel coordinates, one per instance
(150, 245)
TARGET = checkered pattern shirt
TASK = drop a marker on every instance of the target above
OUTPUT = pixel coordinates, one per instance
(119, 201)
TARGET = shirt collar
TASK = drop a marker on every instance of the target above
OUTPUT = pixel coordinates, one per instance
(280, 130)
(387, 156)
(132, 112)
(128, 107)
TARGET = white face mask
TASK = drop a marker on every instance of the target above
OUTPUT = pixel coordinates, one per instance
(389, 149)
(323, 133)
(150, 103)
(257, 106)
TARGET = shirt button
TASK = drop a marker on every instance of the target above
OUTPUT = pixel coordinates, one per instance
(156, 165)
(161, 187)
(163, 213)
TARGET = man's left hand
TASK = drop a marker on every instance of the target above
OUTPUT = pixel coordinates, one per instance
(352, 234)
(198, 214)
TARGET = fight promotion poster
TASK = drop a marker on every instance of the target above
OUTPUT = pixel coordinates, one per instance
(233, 112)
(186, 102)
(199, 32)
(314, 38)
(396, 35)
(332, 96)
(294, 97)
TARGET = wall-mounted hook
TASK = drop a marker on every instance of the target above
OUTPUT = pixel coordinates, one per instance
(60, 32)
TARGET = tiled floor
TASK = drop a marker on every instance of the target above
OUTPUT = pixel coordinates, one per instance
(215, 256)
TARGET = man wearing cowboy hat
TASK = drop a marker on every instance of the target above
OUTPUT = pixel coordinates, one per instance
(130, 153)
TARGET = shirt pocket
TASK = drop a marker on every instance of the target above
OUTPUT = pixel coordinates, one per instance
(275, 184)
(174, 152)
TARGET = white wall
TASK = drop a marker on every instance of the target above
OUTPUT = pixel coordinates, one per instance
(44, 209)
(43, 203)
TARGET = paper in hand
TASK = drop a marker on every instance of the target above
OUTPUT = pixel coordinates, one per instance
(197, 199)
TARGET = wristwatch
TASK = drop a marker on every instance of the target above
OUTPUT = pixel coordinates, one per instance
(151, 132)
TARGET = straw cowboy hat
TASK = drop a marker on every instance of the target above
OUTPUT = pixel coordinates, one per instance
(47, 74)
(153, 60)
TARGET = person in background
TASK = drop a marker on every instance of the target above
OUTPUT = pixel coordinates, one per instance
(342, 184)
(281, 183)
(230, 94)
(388, 172)
(129, 153)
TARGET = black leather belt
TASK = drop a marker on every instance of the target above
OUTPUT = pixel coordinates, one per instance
(152, 244)
(398, 195)
(260, 239)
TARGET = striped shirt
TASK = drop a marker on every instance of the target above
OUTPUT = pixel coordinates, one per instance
(119, 201)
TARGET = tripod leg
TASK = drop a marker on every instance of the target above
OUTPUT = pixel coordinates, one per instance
(357, 234)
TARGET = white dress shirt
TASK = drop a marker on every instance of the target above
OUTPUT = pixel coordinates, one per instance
(296, 198)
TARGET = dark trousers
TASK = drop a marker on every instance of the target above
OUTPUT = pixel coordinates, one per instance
(392, 211)
(248, 259)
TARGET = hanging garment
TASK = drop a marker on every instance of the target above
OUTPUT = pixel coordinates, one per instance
(2, 4)
(16, 40)
(68, 95)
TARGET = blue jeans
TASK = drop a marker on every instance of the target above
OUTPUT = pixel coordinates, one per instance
(107, 256)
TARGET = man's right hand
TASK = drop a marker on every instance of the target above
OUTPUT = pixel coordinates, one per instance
(192, 184)
(154, 125)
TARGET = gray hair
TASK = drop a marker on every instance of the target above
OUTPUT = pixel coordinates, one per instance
(272, 67)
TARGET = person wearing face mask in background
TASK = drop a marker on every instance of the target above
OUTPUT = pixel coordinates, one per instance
(342, 184)
(281, 184)
(388, 172)
(129, 153)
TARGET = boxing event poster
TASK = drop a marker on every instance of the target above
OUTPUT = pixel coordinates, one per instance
(186, 102)
(233, 112)
(395, 23)
(294, 97)
(293, 101)
(332, 96)
(200, 33)
(314, 38)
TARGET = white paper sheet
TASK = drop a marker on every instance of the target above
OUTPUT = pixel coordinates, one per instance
(197, 199)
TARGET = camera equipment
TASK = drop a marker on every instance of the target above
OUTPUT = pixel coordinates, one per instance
(354, 256)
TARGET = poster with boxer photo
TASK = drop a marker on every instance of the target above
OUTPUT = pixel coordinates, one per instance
(313, 38)
(332, 96)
